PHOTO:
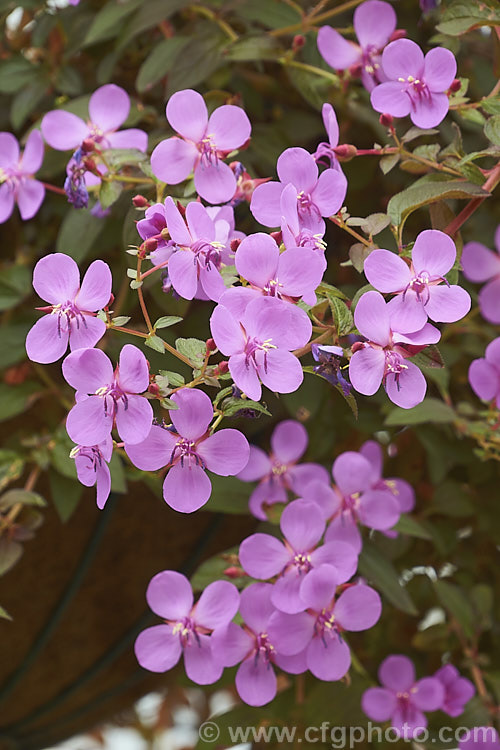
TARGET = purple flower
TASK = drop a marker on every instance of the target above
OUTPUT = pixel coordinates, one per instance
(484, 374)
(290, 275)
(365, 498)
(187, 627)
(188, 449)
(75, 185)
(485, 738)
(302, 525)
(415, 84)
(319, 630)
(420, 293)
(109, 107)
(92, 467)
(259, 345)
(457, 690)
(327, 150)
(104, 396)
(17, 184)
(56, 279)
(202, 144)
(400, 488)
(374, 22)
(197, 257)
(255, 679)
(481, 264)
(383, 357)
(317, 196)
(280, 472)
(402, 699)
(329, 366)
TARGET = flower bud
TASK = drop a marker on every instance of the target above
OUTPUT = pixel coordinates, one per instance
(298, 42)
(397, 34)
(235, 245)
(277, 237)
(211, 345)
(88, 145)
(386, 120)
(234, 572)
(150, 244)
(345, 151)
(140, 201)
(456, 85)
(357, 346)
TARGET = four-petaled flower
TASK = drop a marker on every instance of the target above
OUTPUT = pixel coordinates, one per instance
(317, 196)
(187, 627)
(402, 699)
(105, 397)
(458, 690)
(109, 107)
(91, 463)
(189, 449)
(302, 524)
(72, 308)
(420, 293)
(415, 84)
(374, 23)
(383, 357)
(203, 143)
(259, 344)
(17, 184)
(280, 472)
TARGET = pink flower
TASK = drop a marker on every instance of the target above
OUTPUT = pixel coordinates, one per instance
(458, 690)
(419, 289)
(109, 107)
(280, 471)
(481, 264)
(203, 142)
(105, 396)
(92, 467)
(317, 195)
(484, 374)
(17, 184)
(383, 358)
(415, 84)
(319, 631)
(302, 524)
(374, 22)
(402, 699)
(188, 449)
(259, 345)
(187, 626)
(72, 308)
(327, 150)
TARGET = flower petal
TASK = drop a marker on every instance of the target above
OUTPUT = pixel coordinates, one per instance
(199, 662)
(256, 607)
(430, 111)
(87, 370)
(280, 371)
(428, 694)
(479, 263)
(245, 376)
(328, 660)
(217, 605)
(358, 608)
(187, 114)
(447, 304)
(296, 165)
(440, 69)
(103, 484)
(95, 291)
(134, 419)
(256, 259)
(169, 595)
(372, 318)
(229, 127)
(302, 524)
(30, 197)
(6, 202)
(290, 633)
(225, 453)
(337, 51)
(407, 312)
(182, 271)
(109, 106)
(484, 379)
(286, 592)
(488, 301)
(157, 649)
(86, 333)
(86, 423)
(133, 372)
(129, 138)
(258, 465)
(256, 682)
(215, 183)
(230, 644)
(379, 509)
(226, 331)
(374, 22)
(378, 704)
(56, 278)
(397, 673)
(366, 370)
(391, 97)
(318, 587)
(386, 271)
(263, 556)
(279, 322)
(63, 130)
(154, 452)
(433, 252)
(9, 150)
(265, 204)
(45, 342)
(194, 414)
(289, 441)
(352, 472)
(329, 192)
(403, 58)
(186, 488)
(173, 160)
(32, 157)
(409, 389)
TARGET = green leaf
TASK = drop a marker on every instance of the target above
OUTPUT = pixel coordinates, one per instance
(166, 321)
(25, 497)
(4, 615)
(65, 494)
(464, 15)
(120, 157)
(193, 349)
(12, 337)
(342, 316)
(491, 105)
(430, 357)
(15, 285)
(378, 570)
(159, 62)
(328, 291)
(121, 320)
(149, 14)
(109, 193)
(175, 379)
(107, 22)
(492, 129)
(78, 233)
(11, 467)
(423, 192)
(415, 132)
(412, 527)
(388, 162)
(196, 60)
(246, 49)
(16, 399)
(26, 101)
(233, 406)
(15, 74)
(358, 253)
(156, 343)
(430, 410)
(10, 552)
(456, 601)
(213, 570)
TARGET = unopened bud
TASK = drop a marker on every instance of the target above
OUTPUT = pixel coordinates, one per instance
(357, 346)
(211, 345)
(140, 201)
(150, 244)
(298, 42)
(223, 367)
(90, 165)
(277, 237)
(345, 151)
(386, 120)
(88, 145)
(397, 34)
(235, 245)
(182, 209)
(234, 572)
(456, 85)
(153, 389)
